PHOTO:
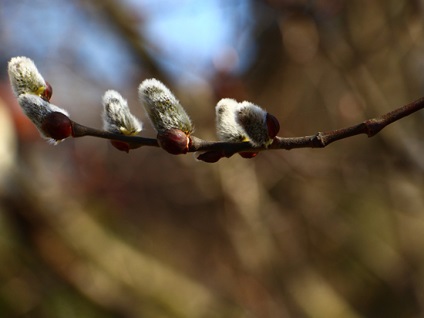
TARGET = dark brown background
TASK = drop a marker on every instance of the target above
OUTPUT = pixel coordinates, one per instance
(87, 231)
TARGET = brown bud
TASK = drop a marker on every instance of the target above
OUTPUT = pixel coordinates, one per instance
(121, 145)
(248, 155)
(174, 141)
(210, 156)
(273, 125)
(57, 126)
(47, 93)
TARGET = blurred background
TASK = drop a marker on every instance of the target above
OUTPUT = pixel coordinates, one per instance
(88, 231)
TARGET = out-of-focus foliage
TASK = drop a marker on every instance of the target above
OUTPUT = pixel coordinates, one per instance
(87, 231)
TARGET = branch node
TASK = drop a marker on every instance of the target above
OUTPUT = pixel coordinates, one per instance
(373, 126)
(320, 140)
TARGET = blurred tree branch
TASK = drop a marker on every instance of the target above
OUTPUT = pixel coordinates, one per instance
(128, 28)
(117, 277)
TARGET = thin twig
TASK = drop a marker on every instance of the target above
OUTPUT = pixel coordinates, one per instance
(79, 130)
(369, 127)
(219, 149)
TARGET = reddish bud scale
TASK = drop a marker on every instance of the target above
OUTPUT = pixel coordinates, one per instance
(57, 126)
(174, 141)
(210, 156)
(273, 125)
(48, 92)
(121, 145)
(248, 155)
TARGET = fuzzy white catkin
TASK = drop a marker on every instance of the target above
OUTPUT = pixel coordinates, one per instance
(117, 117)
(227, 128)
(36, 109)
(25, 77)
(163, 109)
(253, 120)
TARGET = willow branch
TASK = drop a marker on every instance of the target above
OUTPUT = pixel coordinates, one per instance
(368, 127)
